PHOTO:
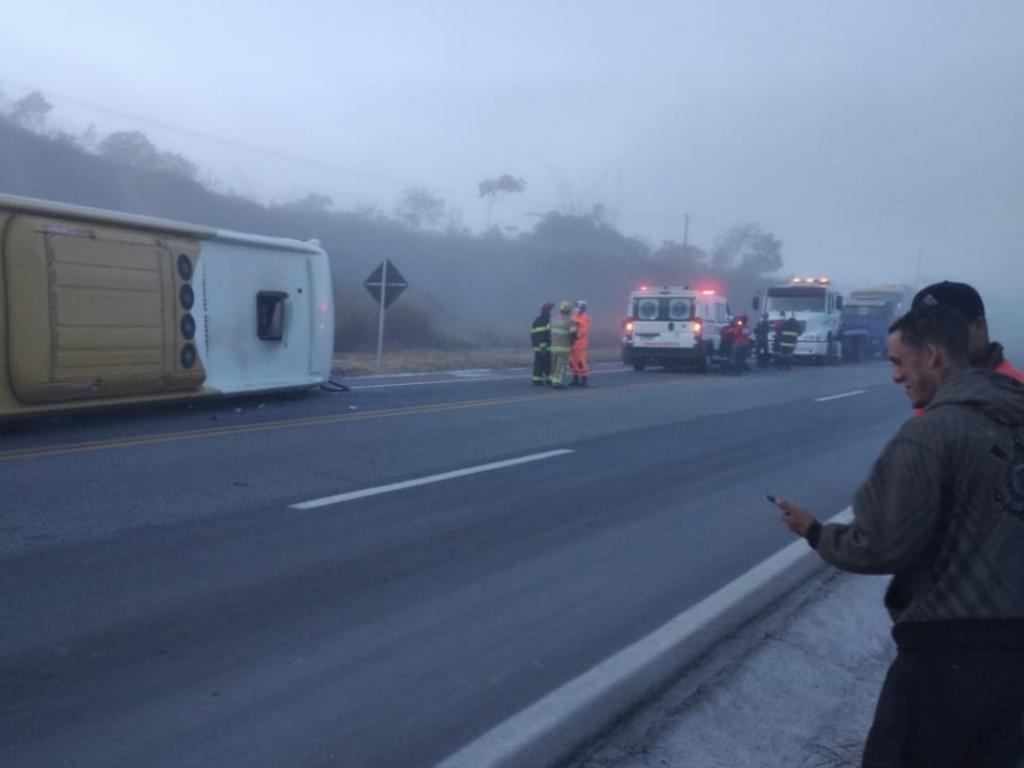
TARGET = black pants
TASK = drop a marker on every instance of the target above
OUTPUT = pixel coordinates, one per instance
(541, 366)
(762, 353)
(942, 708)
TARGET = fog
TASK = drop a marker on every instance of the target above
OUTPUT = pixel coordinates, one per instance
(880, 141)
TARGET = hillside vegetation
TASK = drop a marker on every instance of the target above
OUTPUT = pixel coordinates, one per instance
(466, 289)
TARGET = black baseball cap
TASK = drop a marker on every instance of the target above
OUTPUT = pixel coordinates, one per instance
(957, 295)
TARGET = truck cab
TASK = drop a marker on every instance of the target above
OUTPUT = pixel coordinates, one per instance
(867, 315)
(818, 309)
(673, 326)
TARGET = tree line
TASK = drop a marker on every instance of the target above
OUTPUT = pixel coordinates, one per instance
(466, 289)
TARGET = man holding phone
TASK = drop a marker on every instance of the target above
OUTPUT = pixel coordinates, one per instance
(943, 511)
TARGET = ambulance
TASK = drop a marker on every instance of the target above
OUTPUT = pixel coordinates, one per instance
(674, 327)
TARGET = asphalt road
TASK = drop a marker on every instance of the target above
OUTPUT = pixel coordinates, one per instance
(206, 586)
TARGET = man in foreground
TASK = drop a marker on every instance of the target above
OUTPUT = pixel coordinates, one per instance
(943, 510)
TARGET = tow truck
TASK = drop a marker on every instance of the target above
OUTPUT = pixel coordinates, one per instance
(817, 306)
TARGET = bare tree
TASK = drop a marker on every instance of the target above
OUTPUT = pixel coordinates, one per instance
(502, 185)
(134, 148)
(749, 248)
(420, 208)
(686, 257)
(312, 203)
(30, 111)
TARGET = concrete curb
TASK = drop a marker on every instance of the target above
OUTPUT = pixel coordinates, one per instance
(550, 730)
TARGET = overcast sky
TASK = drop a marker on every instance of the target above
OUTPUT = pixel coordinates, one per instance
(862, 133)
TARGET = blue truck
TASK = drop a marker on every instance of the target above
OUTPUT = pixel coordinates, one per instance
(867, 315)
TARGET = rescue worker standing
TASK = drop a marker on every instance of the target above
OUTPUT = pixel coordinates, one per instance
(740, 343)
(540, 338)
(788, 333)
(562, 337)
(578, 353)
(761, 333)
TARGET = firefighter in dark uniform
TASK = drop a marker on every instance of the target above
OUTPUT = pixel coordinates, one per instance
(788, 333)
(762, 331)
(540, 338)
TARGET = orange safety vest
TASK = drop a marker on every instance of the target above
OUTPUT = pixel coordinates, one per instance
(1005, 368)
(582, 322)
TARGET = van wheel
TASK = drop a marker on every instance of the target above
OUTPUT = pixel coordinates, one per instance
(639, 365)
(704, 364)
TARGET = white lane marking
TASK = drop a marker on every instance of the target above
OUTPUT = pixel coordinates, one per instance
(837, 397)
(391, 487)
(502, 744)
(595, 368)
(463, 380)
(435, 381)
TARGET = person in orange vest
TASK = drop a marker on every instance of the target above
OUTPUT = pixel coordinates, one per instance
(578, 353)
(982, 352)
(740, 343)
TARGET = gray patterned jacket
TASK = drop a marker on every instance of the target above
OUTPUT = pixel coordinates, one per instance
(943, 508)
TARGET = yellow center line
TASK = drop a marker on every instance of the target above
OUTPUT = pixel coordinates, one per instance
(309, 421)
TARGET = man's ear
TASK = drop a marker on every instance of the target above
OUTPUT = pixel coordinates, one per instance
(934, 355)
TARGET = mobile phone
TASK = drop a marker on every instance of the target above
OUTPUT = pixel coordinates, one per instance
(771, 498)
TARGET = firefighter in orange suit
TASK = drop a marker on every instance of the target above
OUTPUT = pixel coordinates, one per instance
(578, 353)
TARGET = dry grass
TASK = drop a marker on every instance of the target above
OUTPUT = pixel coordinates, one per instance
(417, 360)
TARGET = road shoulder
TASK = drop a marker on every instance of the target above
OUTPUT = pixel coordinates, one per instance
(795, 688)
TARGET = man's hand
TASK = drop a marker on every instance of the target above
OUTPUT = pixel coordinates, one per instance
(797, 519)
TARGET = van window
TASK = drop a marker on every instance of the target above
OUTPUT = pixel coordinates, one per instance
(673, 308)
(270, 315)
(680, 309)
(720, 313)
(646, 309)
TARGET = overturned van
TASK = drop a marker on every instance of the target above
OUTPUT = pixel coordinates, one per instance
(99, 307)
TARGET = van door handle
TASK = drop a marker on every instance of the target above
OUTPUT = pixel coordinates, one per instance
(671, 326)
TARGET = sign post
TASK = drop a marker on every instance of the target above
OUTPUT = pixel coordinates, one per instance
(385, 284)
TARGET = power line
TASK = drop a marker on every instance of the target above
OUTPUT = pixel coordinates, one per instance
(233, 143)
(288, 157)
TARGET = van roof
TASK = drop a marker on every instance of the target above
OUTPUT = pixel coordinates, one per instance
(675, 290)
(33, 206)
(665, 290)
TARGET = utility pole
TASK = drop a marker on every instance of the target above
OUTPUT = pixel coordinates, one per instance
(686, 235)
